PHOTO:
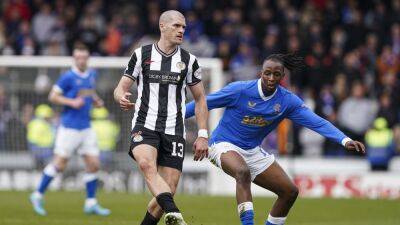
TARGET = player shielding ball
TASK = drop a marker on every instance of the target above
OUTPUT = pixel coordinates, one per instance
(162, 71)
(253, 109)
(75, 90)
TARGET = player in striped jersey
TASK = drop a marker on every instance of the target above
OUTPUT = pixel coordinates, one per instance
(162, 71)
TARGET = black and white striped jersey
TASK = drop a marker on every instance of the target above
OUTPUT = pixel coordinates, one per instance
(162, 80)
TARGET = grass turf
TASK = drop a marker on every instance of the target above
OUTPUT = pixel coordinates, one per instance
(66, 208)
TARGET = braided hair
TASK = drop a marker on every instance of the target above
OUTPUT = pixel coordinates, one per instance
(290, 61)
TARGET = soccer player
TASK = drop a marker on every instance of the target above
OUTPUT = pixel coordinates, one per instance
(75, 90)
(253, 109)
(162, 70)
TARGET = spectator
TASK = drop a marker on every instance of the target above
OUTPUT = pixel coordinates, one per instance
(42, 24)
(357, 112)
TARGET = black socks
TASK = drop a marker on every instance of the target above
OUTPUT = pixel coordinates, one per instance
(149, 219)
(166, 202)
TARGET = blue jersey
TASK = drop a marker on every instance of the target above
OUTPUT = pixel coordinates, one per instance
(249, 115)
(72, 84)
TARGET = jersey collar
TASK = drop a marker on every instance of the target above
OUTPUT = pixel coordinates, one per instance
(265, 98)
(79, 73)
(165, 54)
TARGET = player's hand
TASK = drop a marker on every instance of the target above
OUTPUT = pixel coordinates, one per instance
(125, 103)
(98, 102)
(77, 103)
(200, 147)
(355, 146)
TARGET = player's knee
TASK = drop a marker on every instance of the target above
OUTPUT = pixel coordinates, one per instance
(243, 175)
(292, 192)
(146, 166)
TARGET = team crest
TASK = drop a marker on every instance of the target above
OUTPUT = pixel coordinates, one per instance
(251, 104)
(137, 137)
(178, 78)
(197, 73)
(277, 108)
(181, 65)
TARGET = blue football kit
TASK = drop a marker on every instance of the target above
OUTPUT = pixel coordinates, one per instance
(250, 115)
(72, 84)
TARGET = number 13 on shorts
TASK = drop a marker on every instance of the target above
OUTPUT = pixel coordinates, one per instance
(177, 149)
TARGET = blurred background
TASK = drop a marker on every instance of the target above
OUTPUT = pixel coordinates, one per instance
(351, 48)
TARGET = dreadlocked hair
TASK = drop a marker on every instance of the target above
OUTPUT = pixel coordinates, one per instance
(290, 61)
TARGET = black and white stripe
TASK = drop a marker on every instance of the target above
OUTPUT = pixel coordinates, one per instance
(162, 81)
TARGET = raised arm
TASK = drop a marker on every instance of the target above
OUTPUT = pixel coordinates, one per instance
(303, 116)
(225, 97)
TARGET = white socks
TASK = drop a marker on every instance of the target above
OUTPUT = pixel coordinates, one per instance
(276, 220)
(244, 206)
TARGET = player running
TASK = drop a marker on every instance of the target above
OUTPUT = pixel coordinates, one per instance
(253, 109)
(75, 90)
(162, 70)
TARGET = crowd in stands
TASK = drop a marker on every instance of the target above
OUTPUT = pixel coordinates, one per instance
(351, 48)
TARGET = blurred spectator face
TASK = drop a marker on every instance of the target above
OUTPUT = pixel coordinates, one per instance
(293, 44)
(336, 51)
(173, 29)
(270, 41)
(318, 49)
(357, 90)
(292, 29)
(372, 41)
(385, 100)
(396, 4)
(81, 59)
(339, 37)
(25, 27)
(234, 16)
(395, 30)
(224, 49)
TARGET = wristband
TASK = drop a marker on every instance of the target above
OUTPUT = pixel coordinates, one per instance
(202, 133)
(345, 140)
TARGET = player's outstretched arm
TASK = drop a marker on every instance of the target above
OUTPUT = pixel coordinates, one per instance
(201, 143)
(122, 94)
(307, 118)
(225, 97)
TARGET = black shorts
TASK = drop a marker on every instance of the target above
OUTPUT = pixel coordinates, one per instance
(170, 148)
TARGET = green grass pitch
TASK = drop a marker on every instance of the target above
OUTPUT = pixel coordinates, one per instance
(66, 208)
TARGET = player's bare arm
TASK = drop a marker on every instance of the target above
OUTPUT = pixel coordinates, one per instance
(122, 94)
(97, 101)
(56, 97)
(201, 112)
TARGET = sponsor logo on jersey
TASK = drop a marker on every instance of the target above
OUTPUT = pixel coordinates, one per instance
(168, 78)
(258, 121)
(181, 65)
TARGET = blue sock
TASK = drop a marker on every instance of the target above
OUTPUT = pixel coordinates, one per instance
(49, 173)
(247, 217)
(91, 185)
(269, 223)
